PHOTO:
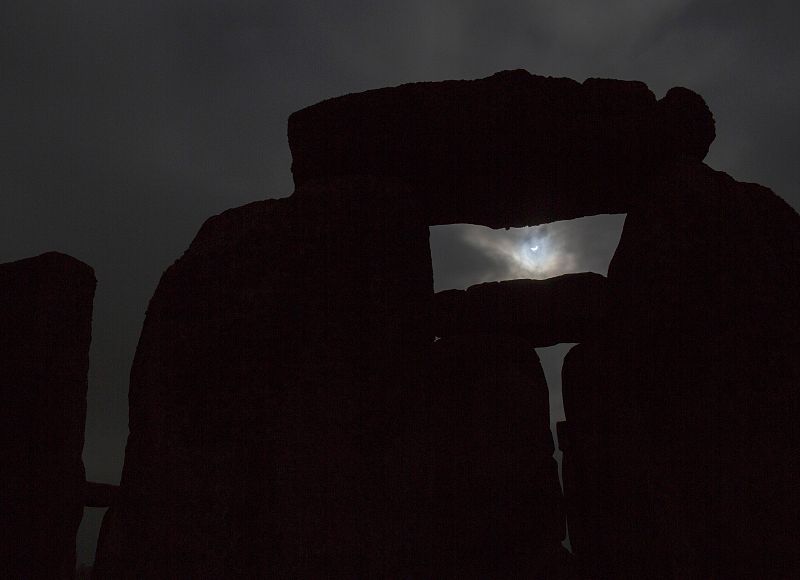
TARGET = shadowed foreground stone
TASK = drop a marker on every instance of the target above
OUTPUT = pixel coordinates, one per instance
(683, 416)
(544, 312)
(45, 332)
(484, 497)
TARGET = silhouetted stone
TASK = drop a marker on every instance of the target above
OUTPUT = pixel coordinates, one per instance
(685, 413)
(512, 149)
(283, 368)
(483, 493)
(601, 486)
(45, 331)
(266, 392)
(544, 312)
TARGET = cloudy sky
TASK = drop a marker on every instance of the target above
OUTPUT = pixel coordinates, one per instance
(126, 124)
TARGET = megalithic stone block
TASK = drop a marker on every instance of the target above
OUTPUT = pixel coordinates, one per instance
(565, 308)
(696, 370)
(483, 498)
(266, 391)
(604, 441)
(45, 332)
(509, 150)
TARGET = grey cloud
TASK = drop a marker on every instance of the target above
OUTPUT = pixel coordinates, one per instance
(465, 254)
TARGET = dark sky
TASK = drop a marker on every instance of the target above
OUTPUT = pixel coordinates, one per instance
(126, 124)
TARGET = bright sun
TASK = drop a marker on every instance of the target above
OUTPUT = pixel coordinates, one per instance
(532, 253)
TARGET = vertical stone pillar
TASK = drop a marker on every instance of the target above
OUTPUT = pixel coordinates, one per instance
(267, 392)
(675, 407)
(45, 332)
(482, 485)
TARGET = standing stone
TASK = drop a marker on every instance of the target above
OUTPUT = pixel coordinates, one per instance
(483, 493)
(45, 332)
(604, 455)
(697, 371)
(266, 393)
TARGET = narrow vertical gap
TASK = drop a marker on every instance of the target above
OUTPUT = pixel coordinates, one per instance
(552, 358)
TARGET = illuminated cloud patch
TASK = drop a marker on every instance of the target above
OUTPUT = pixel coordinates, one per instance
(535, 252)
(464, 255)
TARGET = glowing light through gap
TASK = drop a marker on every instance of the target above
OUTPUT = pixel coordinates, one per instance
(535, 252)
(465, 254)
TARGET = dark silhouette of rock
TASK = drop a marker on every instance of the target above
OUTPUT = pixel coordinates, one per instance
(266, 393)
(46, 322)
(483, 492)
(544, 312)
(682, 418)
(597, 440)
(512, 149)
(288, 408)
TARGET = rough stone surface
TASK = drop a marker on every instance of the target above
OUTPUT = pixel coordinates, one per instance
(483, 493)
(265, 394)
(509, 150)
(685, 412)
(544, 312)
(45, 331)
